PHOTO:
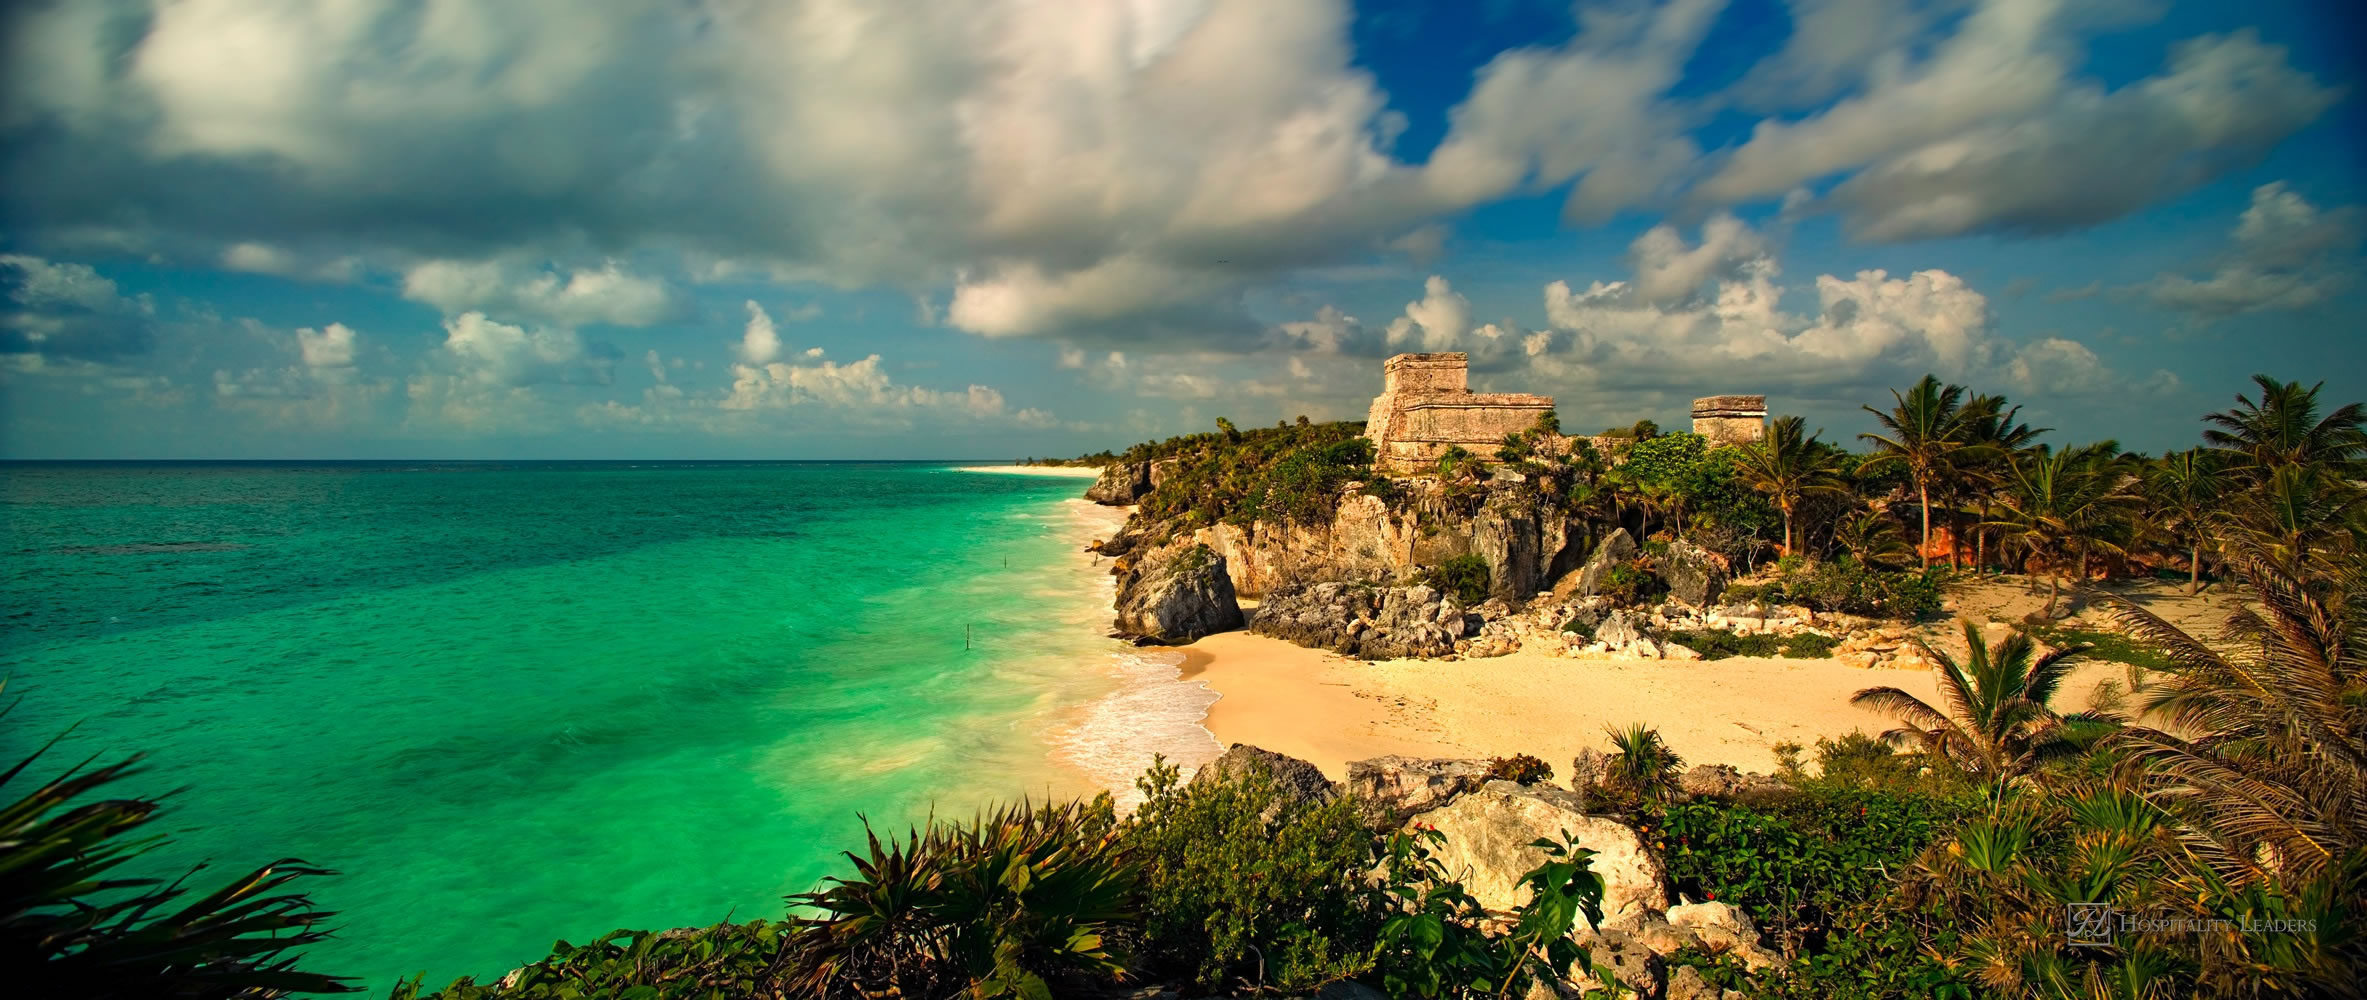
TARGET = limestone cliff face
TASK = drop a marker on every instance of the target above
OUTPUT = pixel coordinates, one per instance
(1526, 543)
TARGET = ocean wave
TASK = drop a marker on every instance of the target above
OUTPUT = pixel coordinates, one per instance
(1152, 713)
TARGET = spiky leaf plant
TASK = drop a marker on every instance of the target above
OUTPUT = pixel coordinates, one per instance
(1996, 724)
(74, 923)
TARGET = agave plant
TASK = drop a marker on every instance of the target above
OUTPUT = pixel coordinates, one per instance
(1997, 725)
(72, 924)
(1001, 906)
(1642, 763)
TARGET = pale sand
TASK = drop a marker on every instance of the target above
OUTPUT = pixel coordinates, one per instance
(1072, 471)
(1329, 709)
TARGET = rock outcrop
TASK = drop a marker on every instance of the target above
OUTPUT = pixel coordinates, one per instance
(1121, 483)
(1694, 575)
(1723, 781)
(1175, 595)
(1299, 782)
(1362, 620)
(1617, 547)
(1507, 538)
(1395, 789)
(1488, 837)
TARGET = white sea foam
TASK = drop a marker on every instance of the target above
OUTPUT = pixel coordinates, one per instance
(1149, 711)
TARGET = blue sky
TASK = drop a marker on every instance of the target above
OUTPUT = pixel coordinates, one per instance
(993, 228)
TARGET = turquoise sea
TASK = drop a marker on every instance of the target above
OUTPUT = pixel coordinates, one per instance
(516, 702)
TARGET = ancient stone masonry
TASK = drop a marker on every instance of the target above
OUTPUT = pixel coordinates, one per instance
(1426, 407)
(1730, 419)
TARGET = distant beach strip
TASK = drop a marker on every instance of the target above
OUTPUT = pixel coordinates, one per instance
(1073, 471)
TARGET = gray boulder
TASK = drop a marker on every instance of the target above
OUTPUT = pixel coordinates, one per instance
(1510, 545)
(1121, 483)
(1692, 573)
(1723, 781)
(1375, 623)
(1299, 782)
(1175, 595)
(1395, 789)
(1617, 548)
(1488, 838)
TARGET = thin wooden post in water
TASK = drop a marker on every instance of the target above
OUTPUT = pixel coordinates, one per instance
(965, 638)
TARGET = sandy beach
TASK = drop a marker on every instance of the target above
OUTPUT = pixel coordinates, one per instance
(1330, 709)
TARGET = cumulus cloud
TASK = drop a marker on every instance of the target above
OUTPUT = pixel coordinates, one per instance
(68, 312)
(2286, 254)
(330, 347)
(607, 294)
(1991, 131)
(1591, 109)
(1669, 271)
(859, 391)
(489, 352)
(324, 389)
(759, 341)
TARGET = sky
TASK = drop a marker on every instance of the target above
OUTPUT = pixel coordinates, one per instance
(819, 229)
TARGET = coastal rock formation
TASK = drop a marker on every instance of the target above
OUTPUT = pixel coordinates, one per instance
(1362, 620)
(1299, 782)
(1694, 575)
(1488, 837)
(1619, 637)
(1721, 927)
(1121, 483)
(1175, 595)
(1395, 789)
(1508, 540)
(1626, 956)
(1724, 781)
(1616, 548)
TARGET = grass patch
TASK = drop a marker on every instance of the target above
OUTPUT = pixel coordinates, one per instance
(1718, 644)
(2111, 647)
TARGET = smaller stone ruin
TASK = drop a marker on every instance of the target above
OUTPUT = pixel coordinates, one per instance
(1730, 419)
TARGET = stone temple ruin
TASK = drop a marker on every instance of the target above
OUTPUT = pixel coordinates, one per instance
(1730, 419)
(1426, 407)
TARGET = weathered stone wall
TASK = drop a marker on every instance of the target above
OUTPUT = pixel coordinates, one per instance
(1730, 419)
(1426, 407)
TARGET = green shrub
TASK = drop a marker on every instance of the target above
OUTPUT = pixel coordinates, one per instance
(2108, 646)
(1226, 893)
(1001, 906)
(1630, 583)
(1465, 578)
(1800, 864)
(1519, 768)
(1642, 763)
(726, 960)
(1438, 942)
(1861, 761)
(1849, 586)
(1718, 644)
(1384, 488)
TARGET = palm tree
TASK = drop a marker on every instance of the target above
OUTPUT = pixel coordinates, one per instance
(2262, 741)
(1788, 465)
(1872, 538)
(2182, 491)
(1998, 725)
(1924, 429)
(1993, 437)
(2066, 506)
(2284, 428)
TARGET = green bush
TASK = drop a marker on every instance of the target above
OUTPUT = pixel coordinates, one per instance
(1801, 864)
(1465, 578)
(1851, 587)
(1718, 644)
(1519, 768)
(1001, 906)
(726, 960)
(1225, 892)
(1630, 583)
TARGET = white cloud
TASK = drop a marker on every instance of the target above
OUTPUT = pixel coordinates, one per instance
(1668, 271)
(1436, 322)
(2286, 254)
(489, 352)
(1591, 109)
(68, 311)
(330, 347)
(859, 392)
(759, 342)
(605, 295)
